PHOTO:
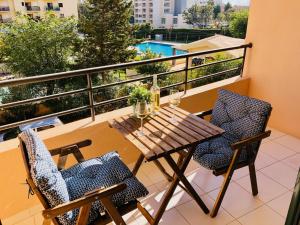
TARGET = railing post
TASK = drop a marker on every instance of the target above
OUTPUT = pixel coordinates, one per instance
(91, 97)
(186, 70)
(244, 57)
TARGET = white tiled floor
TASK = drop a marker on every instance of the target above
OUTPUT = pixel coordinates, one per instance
(277, 166)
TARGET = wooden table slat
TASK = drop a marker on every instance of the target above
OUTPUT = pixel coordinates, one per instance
(182, 125)
(149, 133)
(178, 131)
(165, 137)
(202, 121)
(145, 150)
(143, 139)
(185, 119)
(168, 132)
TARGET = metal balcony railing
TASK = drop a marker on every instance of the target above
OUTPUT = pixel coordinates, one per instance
(4, 8)
(33, 8)
(90, 89)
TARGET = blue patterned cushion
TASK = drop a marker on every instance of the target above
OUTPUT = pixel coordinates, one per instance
(103, 171)
(240, 117)
(44, 172)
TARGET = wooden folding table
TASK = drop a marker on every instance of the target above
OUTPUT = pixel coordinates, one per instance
(163, 137)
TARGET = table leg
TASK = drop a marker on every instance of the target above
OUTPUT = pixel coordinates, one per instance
(163, 170)
(165, 201)
(180, 174)
(138, 164)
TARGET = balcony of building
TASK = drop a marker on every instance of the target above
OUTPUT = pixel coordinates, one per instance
(269, 71)
(33, 8)
(4, 8)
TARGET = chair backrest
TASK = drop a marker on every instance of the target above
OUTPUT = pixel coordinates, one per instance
(240, 116)
(42, 173)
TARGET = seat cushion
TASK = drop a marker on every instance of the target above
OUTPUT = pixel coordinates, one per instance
(44, 172)
(103, 171)
(215, 153)
(241, 117)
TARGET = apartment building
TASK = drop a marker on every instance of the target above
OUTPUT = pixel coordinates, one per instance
(37, 8)
(164, 13)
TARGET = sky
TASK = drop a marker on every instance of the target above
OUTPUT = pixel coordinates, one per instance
(237, 2)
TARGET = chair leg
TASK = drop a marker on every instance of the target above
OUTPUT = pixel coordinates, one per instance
(221, 194)
(112, 211)
(47, 221)
(253, 179)
(84, 213)
(225, 184)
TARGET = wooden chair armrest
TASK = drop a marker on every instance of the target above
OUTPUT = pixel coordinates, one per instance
(204, 113)
(250, 140)
(69, 149)
(88, 198)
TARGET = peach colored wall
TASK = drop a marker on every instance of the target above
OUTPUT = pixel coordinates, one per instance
(273, 62)
(13, 194)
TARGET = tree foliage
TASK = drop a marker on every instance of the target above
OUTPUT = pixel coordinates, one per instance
(238, 23)
(106, 32)
(31, 47)
(35, 47)
(152, 68)
(217, 11)
(199, 15)
(227, 6)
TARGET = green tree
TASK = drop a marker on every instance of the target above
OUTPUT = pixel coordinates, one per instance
(31, 47)
(35, 47)
(198, 15)
(107, 33)
(217, 11)
(238, 23)
(227, 6)
(152, 68)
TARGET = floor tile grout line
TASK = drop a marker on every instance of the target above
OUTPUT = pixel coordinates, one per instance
(185, 219)
(275, 211)
(286, 145)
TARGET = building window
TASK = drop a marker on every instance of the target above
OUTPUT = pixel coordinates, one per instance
(23, 3)
(62, 15)
(60, 5)
(175, 20)
(167, 11)
(163, 20)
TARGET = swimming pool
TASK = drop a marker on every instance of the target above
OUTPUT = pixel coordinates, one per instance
(158, 48)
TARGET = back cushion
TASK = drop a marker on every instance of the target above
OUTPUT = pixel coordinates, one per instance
(44, 171)
(240, 116)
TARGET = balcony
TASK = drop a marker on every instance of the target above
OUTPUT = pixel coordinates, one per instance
(266, 74)
(4, 8)
(52, 8)
(5, 20)
(33, 8)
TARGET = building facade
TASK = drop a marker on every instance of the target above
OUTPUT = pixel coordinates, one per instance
(164, 13)
(37, 8)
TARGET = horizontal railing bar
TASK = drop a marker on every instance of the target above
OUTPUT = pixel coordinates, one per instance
(173, 85)
(45, 98)
(212, 75)
(62, 113)
(81, 72)
(135, 79)
(214, 63)
(111, 101)
(127, 96)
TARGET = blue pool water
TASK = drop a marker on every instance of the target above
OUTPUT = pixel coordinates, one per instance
(158, 48)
